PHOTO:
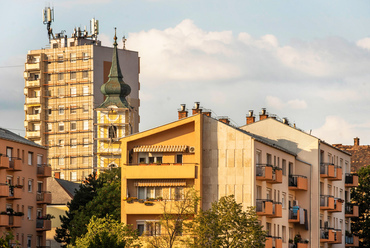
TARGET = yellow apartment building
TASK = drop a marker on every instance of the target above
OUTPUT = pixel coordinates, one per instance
(294, 192)
(62, 88)
(23, 192)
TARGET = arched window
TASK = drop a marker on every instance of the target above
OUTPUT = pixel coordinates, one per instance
(112, 132)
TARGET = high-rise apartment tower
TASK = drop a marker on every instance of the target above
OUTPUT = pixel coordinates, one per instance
(62, 88)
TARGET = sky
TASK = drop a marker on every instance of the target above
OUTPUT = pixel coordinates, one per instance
(308, 61)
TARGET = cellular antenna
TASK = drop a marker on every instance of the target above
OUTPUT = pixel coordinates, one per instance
(48, 18)
(94, 28)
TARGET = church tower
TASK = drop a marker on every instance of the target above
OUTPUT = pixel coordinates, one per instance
(115, 116)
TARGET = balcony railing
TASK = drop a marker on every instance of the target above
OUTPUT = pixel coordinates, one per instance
(43, 170)
(266, 172)
(327, 170)
(295, 216)
(338, 203)
(15, 164)
(264, 207)
(273, 242)
(326, 202)
(43, 197)
(351, 240)
(298, 182)
(43, 225)
(351, 180)
(4, 162)
(351, 210)
(327, 235)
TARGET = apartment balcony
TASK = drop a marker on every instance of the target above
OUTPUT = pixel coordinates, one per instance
(327, 170)
(337, 174)
(326, 202)
(337, 237)
(4, 220)
(264, 172)
(266, 207)
(33, 134)
(15, 164)
(30, 83)
(15, 221)
(33, 100)
(14, 193)
(43, 170)
(298, 182)
(43, 197)
(302, 245)
(43, 225)
(36, 117)
(327, 235)
(273, 242)
(351, 210)
(295, 216)
(352, 240)
(4, 162)
(338, 203)
(154, 207)
(351, 180)
(277, 175)
(32, 66)
(162, 171)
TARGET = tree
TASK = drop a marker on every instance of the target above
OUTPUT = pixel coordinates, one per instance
(96, 196)
(6, 239)
(175, 214)
(107, 232)
(225, 224)
(361, 197)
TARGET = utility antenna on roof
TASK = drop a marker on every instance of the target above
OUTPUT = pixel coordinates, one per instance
(94, 28)
(48, 18)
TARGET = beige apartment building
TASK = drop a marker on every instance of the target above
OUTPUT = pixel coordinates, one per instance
(295, 180)
(23, 192)
(62, 88)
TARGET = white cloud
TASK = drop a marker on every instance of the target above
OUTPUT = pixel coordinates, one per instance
(277, 103)
(364, 43)
(335, 130)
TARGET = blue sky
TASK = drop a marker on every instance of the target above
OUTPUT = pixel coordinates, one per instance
(305, 60)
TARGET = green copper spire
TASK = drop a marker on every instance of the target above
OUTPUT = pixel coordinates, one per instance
(115, 89)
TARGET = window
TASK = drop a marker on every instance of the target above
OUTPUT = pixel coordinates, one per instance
(39, 159)
(60, 58)
(73, 57)
(73, 109)
(48, 77)
(85, 57)
(61, 127)
(85, 90)
(284, 234)
(73, 176)
(73, 75)
(85, 74)
(60, 76)
(178, 228)
(30, 185)
(61, 92)
(73, 160)
(179, 158)
(9, 153)
(283, 199)
(149, 228)
(73, 143)
(29, 241)
(50, 127)
(73, 91)
(30, 158)
(268, 159)
(86, 142)
(49, 111)
(73, 126)
(61, 109)
(149, 192)
(85, 108)
(60, 143)
(62, 175)
(112, 132)
(61, 161)
(283, 164)
(86, 125)
(179, 193)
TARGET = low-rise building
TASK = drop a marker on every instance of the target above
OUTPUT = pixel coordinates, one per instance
(23, 192)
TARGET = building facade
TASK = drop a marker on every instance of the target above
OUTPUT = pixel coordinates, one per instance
(295, 181)
(23, 192)
(62, 88)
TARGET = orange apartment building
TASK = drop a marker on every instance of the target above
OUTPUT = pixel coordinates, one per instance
(23, 193)
(295, 180)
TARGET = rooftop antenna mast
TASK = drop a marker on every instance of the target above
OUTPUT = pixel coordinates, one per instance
(48, 18)
(94, 28)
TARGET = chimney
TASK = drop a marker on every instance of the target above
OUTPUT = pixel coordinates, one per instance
(182, 112)
(357, 141)
(285, 121)
(263, 114)
(197, 109)
(207, 113)
(250, 117)
(224, 119)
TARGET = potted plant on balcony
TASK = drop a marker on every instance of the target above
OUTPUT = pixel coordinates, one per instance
(18, 213)
(297, 239)
(19, 186)
(148, 203)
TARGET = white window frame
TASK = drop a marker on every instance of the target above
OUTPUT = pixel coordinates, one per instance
(61, 109)
(73, 125)
(86, 125)
(85, 90)
(73, 91)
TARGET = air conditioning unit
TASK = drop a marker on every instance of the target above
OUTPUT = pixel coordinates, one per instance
(191, 149)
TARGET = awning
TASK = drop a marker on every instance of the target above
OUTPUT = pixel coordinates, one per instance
(160, 183)
(178, 148)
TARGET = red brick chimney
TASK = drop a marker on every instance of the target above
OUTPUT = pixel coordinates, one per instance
(250, 117)
(357, 141)
(224, 119)
(263, 114)
(183, 113)
(197, 109)
(207, 113)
